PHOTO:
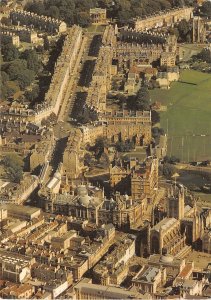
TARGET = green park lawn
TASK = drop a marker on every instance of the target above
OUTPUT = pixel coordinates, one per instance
(188, 115)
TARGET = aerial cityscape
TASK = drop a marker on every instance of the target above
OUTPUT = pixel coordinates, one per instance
(105, 149)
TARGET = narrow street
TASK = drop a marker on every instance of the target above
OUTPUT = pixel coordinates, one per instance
(74, 97)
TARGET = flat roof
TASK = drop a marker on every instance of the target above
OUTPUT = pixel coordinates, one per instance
(110, 292)
(20, 209)
(147, 275)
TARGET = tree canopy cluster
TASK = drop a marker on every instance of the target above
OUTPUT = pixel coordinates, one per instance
(18, 70)
(206, 9)
(183, 31)
(156, 133)
(71, 11)
(125, 146)
(168, 170)
(142, 101)
(77, 11)
(13, 165)
(87, 115)
(205, 56)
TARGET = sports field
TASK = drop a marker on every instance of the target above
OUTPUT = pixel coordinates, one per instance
(188, 117)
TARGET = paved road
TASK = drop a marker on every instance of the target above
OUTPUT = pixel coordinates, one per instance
(68, 101)
(62, 129)
(193, 168)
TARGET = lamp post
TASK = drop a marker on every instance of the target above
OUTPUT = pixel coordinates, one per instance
(175, 175)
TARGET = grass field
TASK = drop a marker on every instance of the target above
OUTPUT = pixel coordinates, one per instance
(188, 116)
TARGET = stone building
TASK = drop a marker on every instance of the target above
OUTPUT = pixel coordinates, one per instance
(16, 211)
(129, 86)
(165, 237)
(109, 36)
(149, 279)
(24, 34)
(42, 150)
(72, 162)
(167, 59)
(118, 174)
(182, 228)
(85, 290)
(113, 269)
(47, 273)
(64, 67)
(22, 291)
(63, 242)
(101, 80)
(89, 203)
(134, 48)
(91, 132)
(15, 267)
(83, 203)
(103, 71)
(206, 241)
(127, 125)
(11, 37)
(176, 204)
(40, 22)
(172, 264)
(165, 78)
(98, 15)
(164, 19)
(128, 54)
(18, 193)
(123, 211)
(53, 98)
(144, 179)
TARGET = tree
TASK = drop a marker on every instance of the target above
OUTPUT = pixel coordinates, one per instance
(87, 159)
(168, 170)
(46, 43)
(101, 143)
(156, 133)
(82, 18)
(8, 88)
(205, 55)
(143, 99)
(12, 88)
(184, 29)
(33, 94)
(4, 77)
(6, 21)
(53, 12)
(15, 68)
(33, 62)
(206, 8)
(25, 78)
(125, 146)
(9, 52)
(171, 160)
(36, 7)
(104, 160)
(155, 117)
(165, 4)
(14, 167)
